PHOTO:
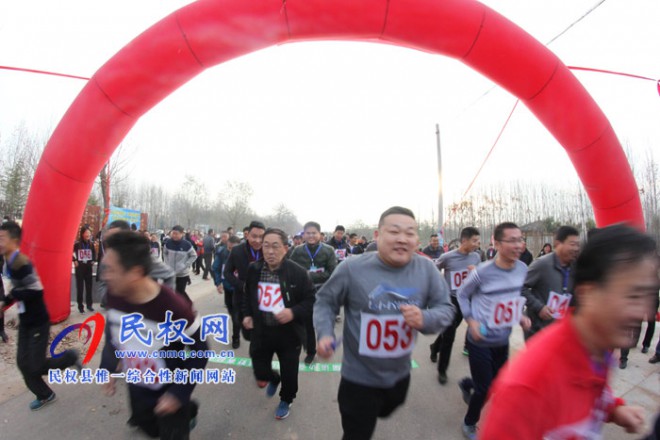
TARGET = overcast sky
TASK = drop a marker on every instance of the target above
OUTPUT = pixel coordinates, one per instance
(338, 131)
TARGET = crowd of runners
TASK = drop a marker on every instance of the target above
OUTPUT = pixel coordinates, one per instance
(578, 303)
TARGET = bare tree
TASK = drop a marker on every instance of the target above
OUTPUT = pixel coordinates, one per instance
(234, 203)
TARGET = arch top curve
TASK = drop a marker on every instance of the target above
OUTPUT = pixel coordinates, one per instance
(209, 32)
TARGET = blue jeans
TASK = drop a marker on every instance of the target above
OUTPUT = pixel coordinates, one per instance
(485, 363)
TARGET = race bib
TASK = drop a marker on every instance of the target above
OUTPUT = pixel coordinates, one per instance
(385, 336)
(457, 278)
(506, 313)
(558, 304)
(144, 364)
(84, 255)
(270, 297)
(341, 254)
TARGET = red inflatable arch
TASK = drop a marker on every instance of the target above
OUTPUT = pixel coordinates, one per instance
(209, 32)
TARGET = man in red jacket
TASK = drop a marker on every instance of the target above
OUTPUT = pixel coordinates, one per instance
(557, 388)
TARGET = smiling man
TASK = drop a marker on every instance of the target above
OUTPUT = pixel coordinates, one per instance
(491, 303)
(557, 388)
(388, 296)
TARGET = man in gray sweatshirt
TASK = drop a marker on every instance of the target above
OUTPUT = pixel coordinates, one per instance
(387, 297)
(491, 303)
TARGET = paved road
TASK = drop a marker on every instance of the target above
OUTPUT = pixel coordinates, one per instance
(242, 411)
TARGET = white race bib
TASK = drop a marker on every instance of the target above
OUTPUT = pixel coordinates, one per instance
(385, 336)
(506, 312)
(153, 364)
(457, 278)
(270, 297)
(84, 255)
(558, 304)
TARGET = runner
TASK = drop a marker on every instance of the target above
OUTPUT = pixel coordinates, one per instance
(34, 321)
(557, 388)
(84, 255)
(549, 283)
(455, 264)
(491, 304)
(179, 254)
(279, 300)
(387, 297)
(338, 242)
(320, 261)
(159, 408)
(223, 286)
(159, 270)
(236, 267)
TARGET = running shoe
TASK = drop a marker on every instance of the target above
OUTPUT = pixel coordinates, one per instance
(271, 389)
(434, 353)
(36, 405)
(469, 431)
(282, 411)
(466, 385)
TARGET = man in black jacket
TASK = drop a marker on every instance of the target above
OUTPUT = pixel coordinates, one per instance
(237, 265)
(279, 299)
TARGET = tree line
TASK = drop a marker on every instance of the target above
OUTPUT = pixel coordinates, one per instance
(543, 207)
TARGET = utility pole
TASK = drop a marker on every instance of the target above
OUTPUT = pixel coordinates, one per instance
(440, 208)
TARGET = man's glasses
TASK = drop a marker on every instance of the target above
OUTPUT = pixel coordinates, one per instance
(513, 240)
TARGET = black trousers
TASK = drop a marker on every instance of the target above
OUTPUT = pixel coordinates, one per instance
(235, 323)
(32, 361)
(84, 278)
(360, 406)
(285, 343)
(198, 264)
(445, 341)
(238, 312)
(180, 287)
(485, 363)
(170, 427)
(310, 337)
(208, 262)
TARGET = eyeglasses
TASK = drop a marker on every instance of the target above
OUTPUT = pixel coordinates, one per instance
(274, 247)
(513, 240)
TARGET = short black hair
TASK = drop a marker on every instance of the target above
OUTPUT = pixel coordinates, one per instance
(395, 210)
(280, 233)
(564, 232)
(256, 224)
(178, 228)
(434, 235)
(351, 235)
(13, 230)
(210, 231)
(134, 250)
(340, 228)
(312, 225)
(610, 247)
(498, 234)
(234, 239)
(119, 224)
(468, 232)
